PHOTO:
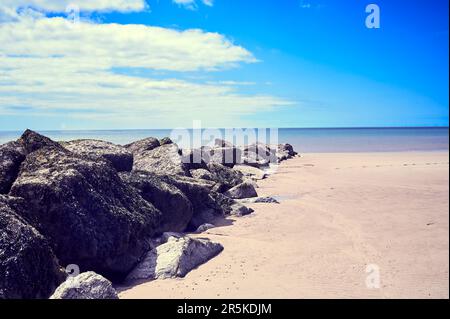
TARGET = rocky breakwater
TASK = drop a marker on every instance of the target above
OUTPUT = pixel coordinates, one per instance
(115, 212)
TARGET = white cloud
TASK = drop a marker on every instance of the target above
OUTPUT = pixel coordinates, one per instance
(192, 4)
(50, 65)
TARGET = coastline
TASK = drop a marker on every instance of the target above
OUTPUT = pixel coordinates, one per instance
(339, 212)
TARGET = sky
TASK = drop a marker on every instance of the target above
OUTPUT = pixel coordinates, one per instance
(136, 64)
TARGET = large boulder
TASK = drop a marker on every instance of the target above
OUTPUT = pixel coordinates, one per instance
(87, 285)
(165, 141)
(250, 172)
(90, 217)
(175, 258)
(244, 190)
(146, 144)
(11, 156)
(227, 156)
(230, 206)
(225, 177)
(201, 174)
(259, 155)
(222, 143)
(164, 160)
(193, 159)
(33, 141)
(285, 152)
(175, 207)
(28, 267)
(119, 156)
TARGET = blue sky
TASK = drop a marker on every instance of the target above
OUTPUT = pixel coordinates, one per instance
(249, 63)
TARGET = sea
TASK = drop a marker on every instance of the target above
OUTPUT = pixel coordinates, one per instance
(304, 140)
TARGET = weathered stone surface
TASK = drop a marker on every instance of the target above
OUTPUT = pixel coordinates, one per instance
(224, 176)
(230, 206)
(11, 156)
(33, 141)
(89, 216)
(175, 207)
(146, 144)
(250, 172)
(119, 156)
(204, 227)
(227, 156)
(28, 267)
(201, 174)
(259, 155)
(165, 141)
(193, 159)
(244, 190)
(87, 285)
(164, 160)
(175, 258)
(284, 152)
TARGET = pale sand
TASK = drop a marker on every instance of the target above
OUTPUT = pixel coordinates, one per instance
(340, 212)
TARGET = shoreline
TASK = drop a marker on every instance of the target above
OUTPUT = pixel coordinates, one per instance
(339, 213)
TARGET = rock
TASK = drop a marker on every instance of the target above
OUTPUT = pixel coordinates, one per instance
(33, 141)
(230, 206)
(89, 216)
(175, 258)
(165, 141)
(244, 190)
(258, 200)
(284, 152)
(255, 160)
(250, 172)
(11, 156)
(119, 156)
(204, 227)
(227, 156)
(87, 285)
(193, 159)
(222, 143)
(164, 160)
(175, 207)
(28, 267)
(147, 144)
(224, 176)
(201, 174)
(198, 192)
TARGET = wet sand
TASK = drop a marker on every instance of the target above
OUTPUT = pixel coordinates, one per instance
(339, 213)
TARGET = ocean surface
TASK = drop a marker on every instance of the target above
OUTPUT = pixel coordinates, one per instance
(303, 140)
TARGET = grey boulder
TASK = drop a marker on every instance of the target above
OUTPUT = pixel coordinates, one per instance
(11, 156)
(224, 177)
(119, 156)
(28, 267)
(175, 258)
(146, 144)
(87, 285)
(244, 190)
(164, 160)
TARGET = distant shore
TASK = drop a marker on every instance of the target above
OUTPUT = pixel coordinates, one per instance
(341, 216)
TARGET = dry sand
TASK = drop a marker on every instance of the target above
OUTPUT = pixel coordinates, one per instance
(338, 214)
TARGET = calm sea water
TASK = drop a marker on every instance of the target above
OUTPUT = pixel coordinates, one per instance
(303, 140)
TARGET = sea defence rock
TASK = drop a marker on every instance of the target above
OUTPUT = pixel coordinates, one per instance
(33, 141)
(193, 159)
(230, 206)
(28, 267)
(119, 156)
(146, 144)
(11, 156)
(176, 209)
(284, 152)
(165, 141)
(87, 285)
(163, 160)
(225, 177)
(259, 200)
(201, 174)
(250, 172)
(175, 258)
(222, 143)
(204, 227)
(227, 156)
(89, 216)
(244, 190)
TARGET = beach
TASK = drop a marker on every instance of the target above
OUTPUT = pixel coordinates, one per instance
(338, 214)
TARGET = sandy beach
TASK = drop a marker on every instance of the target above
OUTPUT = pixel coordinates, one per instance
(338, 214)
